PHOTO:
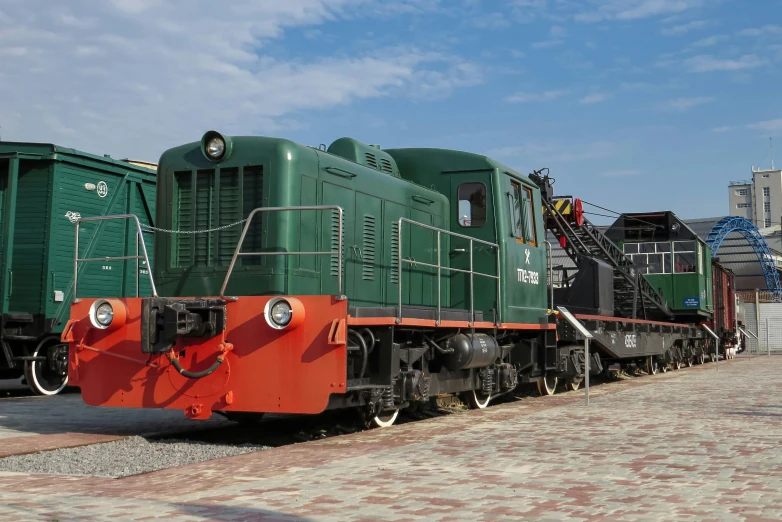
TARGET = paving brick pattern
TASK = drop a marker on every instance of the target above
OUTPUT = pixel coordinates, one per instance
(699, 444)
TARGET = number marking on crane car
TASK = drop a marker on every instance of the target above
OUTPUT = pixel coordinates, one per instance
(528, 276)
(630, 341)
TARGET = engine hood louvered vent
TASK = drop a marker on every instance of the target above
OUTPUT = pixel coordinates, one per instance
(367, 155)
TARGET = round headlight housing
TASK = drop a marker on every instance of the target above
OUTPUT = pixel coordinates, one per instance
(102, 314)
(215, 146)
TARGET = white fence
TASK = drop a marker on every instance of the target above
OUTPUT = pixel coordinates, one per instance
(770, 334)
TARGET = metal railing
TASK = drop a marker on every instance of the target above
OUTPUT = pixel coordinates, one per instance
(137, 257)
(238, 252)
(440, 267)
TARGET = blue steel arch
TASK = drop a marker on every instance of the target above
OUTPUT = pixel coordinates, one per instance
(746, 228)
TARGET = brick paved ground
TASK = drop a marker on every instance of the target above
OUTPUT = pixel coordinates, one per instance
(697, 444)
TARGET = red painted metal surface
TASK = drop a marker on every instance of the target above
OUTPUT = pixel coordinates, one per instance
(265, 370)
(724, 301)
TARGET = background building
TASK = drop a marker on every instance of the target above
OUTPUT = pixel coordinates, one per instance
(758, 199)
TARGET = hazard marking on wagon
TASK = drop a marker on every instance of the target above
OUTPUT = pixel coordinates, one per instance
(73, 217)
(103, 189)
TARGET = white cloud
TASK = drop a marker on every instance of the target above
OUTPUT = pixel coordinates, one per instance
(154, 74)
(768, 125)
(525, 97)
(634, 9)
(766, 30)
(724, 128)
(594, 98)
(490, 21)
(557, 31)
(710, 41)
(708, 63)
(685, 104)
(684, 28)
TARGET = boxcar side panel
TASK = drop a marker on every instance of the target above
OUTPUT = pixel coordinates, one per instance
(30, 249)
(123, 194)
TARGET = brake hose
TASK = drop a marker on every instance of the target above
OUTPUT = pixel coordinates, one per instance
(195, 375)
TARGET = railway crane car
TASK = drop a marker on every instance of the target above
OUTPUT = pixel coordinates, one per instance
(44, 189)
(296, 279)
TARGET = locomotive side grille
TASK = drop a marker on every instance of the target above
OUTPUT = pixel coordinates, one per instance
(252, 198)
(385, 166)
(225, 240)
(394, 253)
(208, 198)
(183, 219)
(204, 215)
(371, 160)
(335, 242)
(368, 268)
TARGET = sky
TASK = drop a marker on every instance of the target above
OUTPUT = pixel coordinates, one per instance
(635, 105)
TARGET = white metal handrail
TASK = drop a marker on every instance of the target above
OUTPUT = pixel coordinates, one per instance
(137, 257)
(238, 252)
(440, 267)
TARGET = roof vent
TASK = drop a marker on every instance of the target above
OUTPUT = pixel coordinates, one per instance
(367, 155)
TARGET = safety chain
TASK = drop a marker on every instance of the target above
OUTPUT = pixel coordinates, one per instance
(156, 229)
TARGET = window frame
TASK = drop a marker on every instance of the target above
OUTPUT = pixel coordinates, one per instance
(485, 205)
(524, 230)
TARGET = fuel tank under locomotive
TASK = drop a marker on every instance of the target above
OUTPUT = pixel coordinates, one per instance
(471, 351)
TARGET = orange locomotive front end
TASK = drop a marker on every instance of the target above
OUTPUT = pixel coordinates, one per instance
(203, 355)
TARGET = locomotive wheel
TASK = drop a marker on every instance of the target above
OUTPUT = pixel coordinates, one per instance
(689, 362)
(701, 358)
(547, 385)
(41, 377)
(384, 419)
(476, 400)
(573, 384)
(677, 364)
(651, 366)
(663, 367)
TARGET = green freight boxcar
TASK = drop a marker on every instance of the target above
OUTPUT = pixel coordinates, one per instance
(44, 190)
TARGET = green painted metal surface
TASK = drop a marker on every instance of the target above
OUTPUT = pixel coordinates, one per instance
(375, 188)
(42, 188)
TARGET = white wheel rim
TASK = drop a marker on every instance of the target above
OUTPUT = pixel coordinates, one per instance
(380, 423)
(478, 403)
(37, 384)
(549, 390)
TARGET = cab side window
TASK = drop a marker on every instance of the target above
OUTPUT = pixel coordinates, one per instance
(472, 205)
(522, 216)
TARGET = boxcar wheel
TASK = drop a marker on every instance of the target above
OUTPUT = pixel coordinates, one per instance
(48, 377)
(677, 364)
(573, 384)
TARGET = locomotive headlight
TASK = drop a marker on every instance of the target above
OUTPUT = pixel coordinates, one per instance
(104, 314)
(281, 313)
(215, 148)
(284, 313)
